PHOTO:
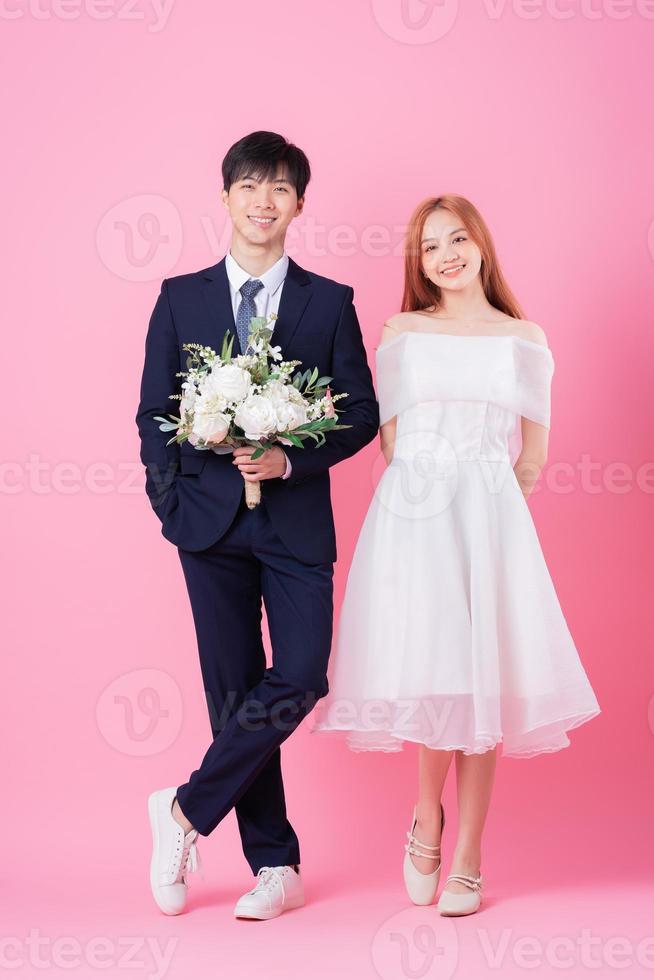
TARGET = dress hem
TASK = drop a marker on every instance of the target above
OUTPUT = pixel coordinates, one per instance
(571, 722)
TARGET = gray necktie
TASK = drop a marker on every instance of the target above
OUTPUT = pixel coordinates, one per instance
(246, 310)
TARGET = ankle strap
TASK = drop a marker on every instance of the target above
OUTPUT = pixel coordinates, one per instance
(414, 840)
(418, 853)
(469, 880)
(414, 845)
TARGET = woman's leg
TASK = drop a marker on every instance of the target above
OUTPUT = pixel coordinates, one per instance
(432, 770)
(474, 780)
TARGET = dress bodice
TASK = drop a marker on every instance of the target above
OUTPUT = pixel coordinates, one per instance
(462, 395)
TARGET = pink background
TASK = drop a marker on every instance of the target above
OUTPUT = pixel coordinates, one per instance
(114, 133)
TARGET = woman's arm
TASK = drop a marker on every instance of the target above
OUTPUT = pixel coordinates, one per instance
(533, 455)
(387, 439)
(535, 437)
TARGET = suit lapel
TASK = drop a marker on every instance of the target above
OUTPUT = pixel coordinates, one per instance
(296, 293)
(219, 304)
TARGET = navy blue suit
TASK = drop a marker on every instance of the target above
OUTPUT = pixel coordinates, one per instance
(232, 558)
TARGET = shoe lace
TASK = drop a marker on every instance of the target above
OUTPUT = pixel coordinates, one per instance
(186, 857)
(268, 879)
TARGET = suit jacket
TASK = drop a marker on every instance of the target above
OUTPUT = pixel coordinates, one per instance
(196, 493)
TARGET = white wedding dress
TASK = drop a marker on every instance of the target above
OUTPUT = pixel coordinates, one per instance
(450, 632)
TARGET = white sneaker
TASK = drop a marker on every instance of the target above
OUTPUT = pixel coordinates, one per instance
(277, 889)
(173, 853)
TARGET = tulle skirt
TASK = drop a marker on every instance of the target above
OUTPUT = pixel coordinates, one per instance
(451, 633)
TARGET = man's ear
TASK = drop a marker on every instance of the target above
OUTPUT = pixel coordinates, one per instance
(300, 206)
(224, 196)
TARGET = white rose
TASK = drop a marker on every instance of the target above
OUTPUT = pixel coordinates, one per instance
(256, 416)
(289, 416)
(230, 381)
(212, 427)
(209, 402)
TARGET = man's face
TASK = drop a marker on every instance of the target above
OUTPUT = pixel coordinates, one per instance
(261, 211)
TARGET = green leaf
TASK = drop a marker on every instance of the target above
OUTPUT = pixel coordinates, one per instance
(228, 343)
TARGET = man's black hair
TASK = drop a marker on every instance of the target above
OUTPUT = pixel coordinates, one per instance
(260, 154)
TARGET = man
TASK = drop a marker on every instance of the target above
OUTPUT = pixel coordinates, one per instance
(281, 552)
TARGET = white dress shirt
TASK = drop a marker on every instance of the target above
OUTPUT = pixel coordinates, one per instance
(266, 300)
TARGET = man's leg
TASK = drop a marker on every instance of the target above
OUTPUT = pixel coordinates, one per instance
(299, 606)
(224, 586)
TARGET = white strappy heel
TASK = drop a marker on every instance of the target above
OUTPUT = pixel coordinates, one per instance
(451, 903)
(421, 887)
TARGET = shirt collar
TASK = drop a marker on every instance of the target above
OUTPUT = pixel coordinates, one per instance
(272, 279)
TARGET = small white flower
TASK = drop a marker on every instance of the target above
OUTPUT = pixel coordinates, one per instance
(258, 346)
(188, 399)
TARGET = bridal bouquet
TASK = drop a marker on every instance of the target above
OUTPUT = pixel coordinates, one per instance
(250, 400)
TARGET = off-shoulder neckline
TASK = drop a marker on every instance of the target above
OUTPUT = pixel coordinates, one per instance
(459, 336)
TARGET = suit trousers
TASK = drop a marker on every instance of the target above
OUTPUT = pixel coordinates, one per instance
(252, 708)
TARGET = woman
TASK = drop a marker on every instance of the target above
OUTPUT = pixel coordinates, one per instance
(451, 634)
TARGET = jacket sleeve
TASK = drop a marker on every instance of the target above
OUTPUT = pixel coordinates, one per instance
(158, 382)
(360, 409)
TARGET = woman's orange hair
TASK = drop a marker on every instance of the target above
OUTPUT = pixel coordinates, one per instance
(420, 292)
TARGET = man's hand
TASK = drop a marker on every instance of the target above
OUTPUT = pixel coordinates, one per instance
(270, 464)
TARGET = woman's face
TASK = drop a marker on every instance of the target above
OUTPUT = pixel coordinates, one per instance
(448, 255)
